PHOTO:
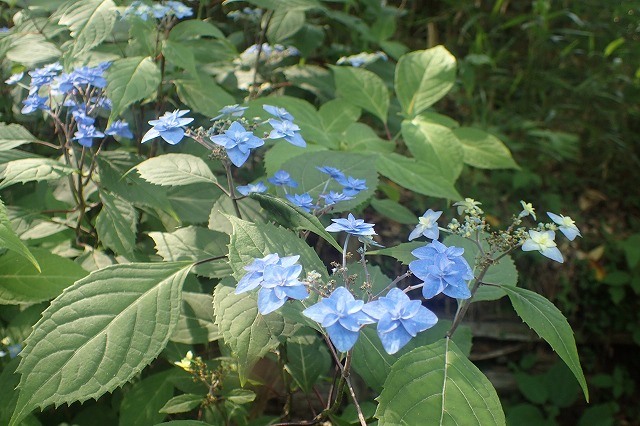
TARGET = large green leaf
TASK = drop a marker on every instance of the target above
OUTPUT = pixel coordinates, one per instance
(10, 240)
(401, 252)
(546, 320)
(116, 224)
(338, 114)
(416, 176)
(394, 211)
(223, 208)
(293, 217)
(364, 89)
(202, 94)
(33, 169)
(438, 385)
(14, 135)
(21, 282)
(130, 80)
(249, 334)
(99, 334)
(32, 49)
(423, 77)
(307, 359)
(175, 169)
(484, 150)
(180, 55)
(436, 144)
(90, 22)
(284, 23)
(141, 404)
(194, 28)
(196, 325)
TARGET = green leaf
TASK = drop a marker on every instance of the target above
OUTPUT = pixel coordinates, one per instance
(194, 28)
(141, 403)
(31, 50)
(484, 150)
(193, 203)
(240, 396)
(202, 94)
(434, 144)
(293, 217)
(338, 114)
(364, 89)
(280, 153)
(394, 211)
(33, 169)
(180, 54)
(401, 252)
(249, 334)
(307, 359)
(416, 176)
(549, 323)
(182, 403)
(98, 335)
(130, 80)
(116, 224)
(90, 22)
(362, 138)
(196, 325)
(223, 208)
(195, 244)
(175, 169)
(438, 385)
(284, 23)
(14, 135)
(10, 240)
(21, 282)
(423, 77)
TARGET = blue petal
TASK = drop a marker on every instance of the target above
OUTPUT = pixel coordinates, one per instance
(268, 301)
(342, 339)
(173, 136)
(395, 340)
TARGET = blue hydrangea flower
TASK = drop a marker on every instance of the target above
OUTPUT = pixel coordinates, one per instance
(335, 197)
(352, 185)
(86, 134)
(119, 128)
(169, 127)
(15, 78)
(399, 319)
(288, 131)
(179, 9)
(566, 225)
(80, 115)
(259, 187)
(332, 172)
(304, 201)
(427, 226)
(238, 143)
(278, 112)
(278, 279)
(352, 226)
(33, 103)
(234, 110)
(544, 243)
(342, 316)
(282, 178)
(443, 270)
(44, 75)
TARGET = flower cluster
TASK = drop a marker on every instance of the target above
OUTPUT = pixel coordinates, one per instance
(362, 58)
(269, 52)
(12, 349)
(161, 10)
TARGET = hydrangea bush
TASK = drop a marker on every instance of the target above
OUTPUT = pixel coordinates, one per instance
(175, 220)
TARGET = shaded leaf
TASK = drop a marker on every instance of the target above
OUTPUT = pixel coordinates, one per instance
(90, 22)
(10, 240)
(33, 169)
(141, 403)
(484, 150)
(364, 89)
(196, 325)
(175, 169)
(116, 224)
(130, 80)
(14, 135)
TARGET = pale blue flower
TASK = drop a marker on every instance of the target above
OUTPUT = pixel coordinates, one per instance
(44, 75)
(169, 127)
(234, 110)
(259, 187)
(14, 79)
(342, 316)
(352, 226)
(351, 185)
(14, 350)
(335, 197)
(288, 131)
(334, 173)
(33, 103)
(427, 226)
(282, 178)
(399, 319)
(566, 225)
(86, 134)
(304, 201)
(544, 243)
(80, 115)
(119, 128)
(238, 143)
(278, 112)
(179, 9)
(443, 270)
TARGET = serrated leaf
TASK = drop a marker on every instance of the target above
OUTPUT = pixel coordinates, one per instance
(249, 334)
(14, 135)
(10, 240)
(99, 334)
(484, 150)
(416, 176)
(284, 23)
(202, 94)
(293, 217)
(438, 385)
(116, 224)
(307, 359)
(21, 282)
(364, 89)
(90, 22)
(196, 325)
(32, 49)
(141, 403)
(223, 207)
(33, 169)
(130, 80)
(549, 323)
(195, 244)
(182, 403)
(423, 77)
(175, 169)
